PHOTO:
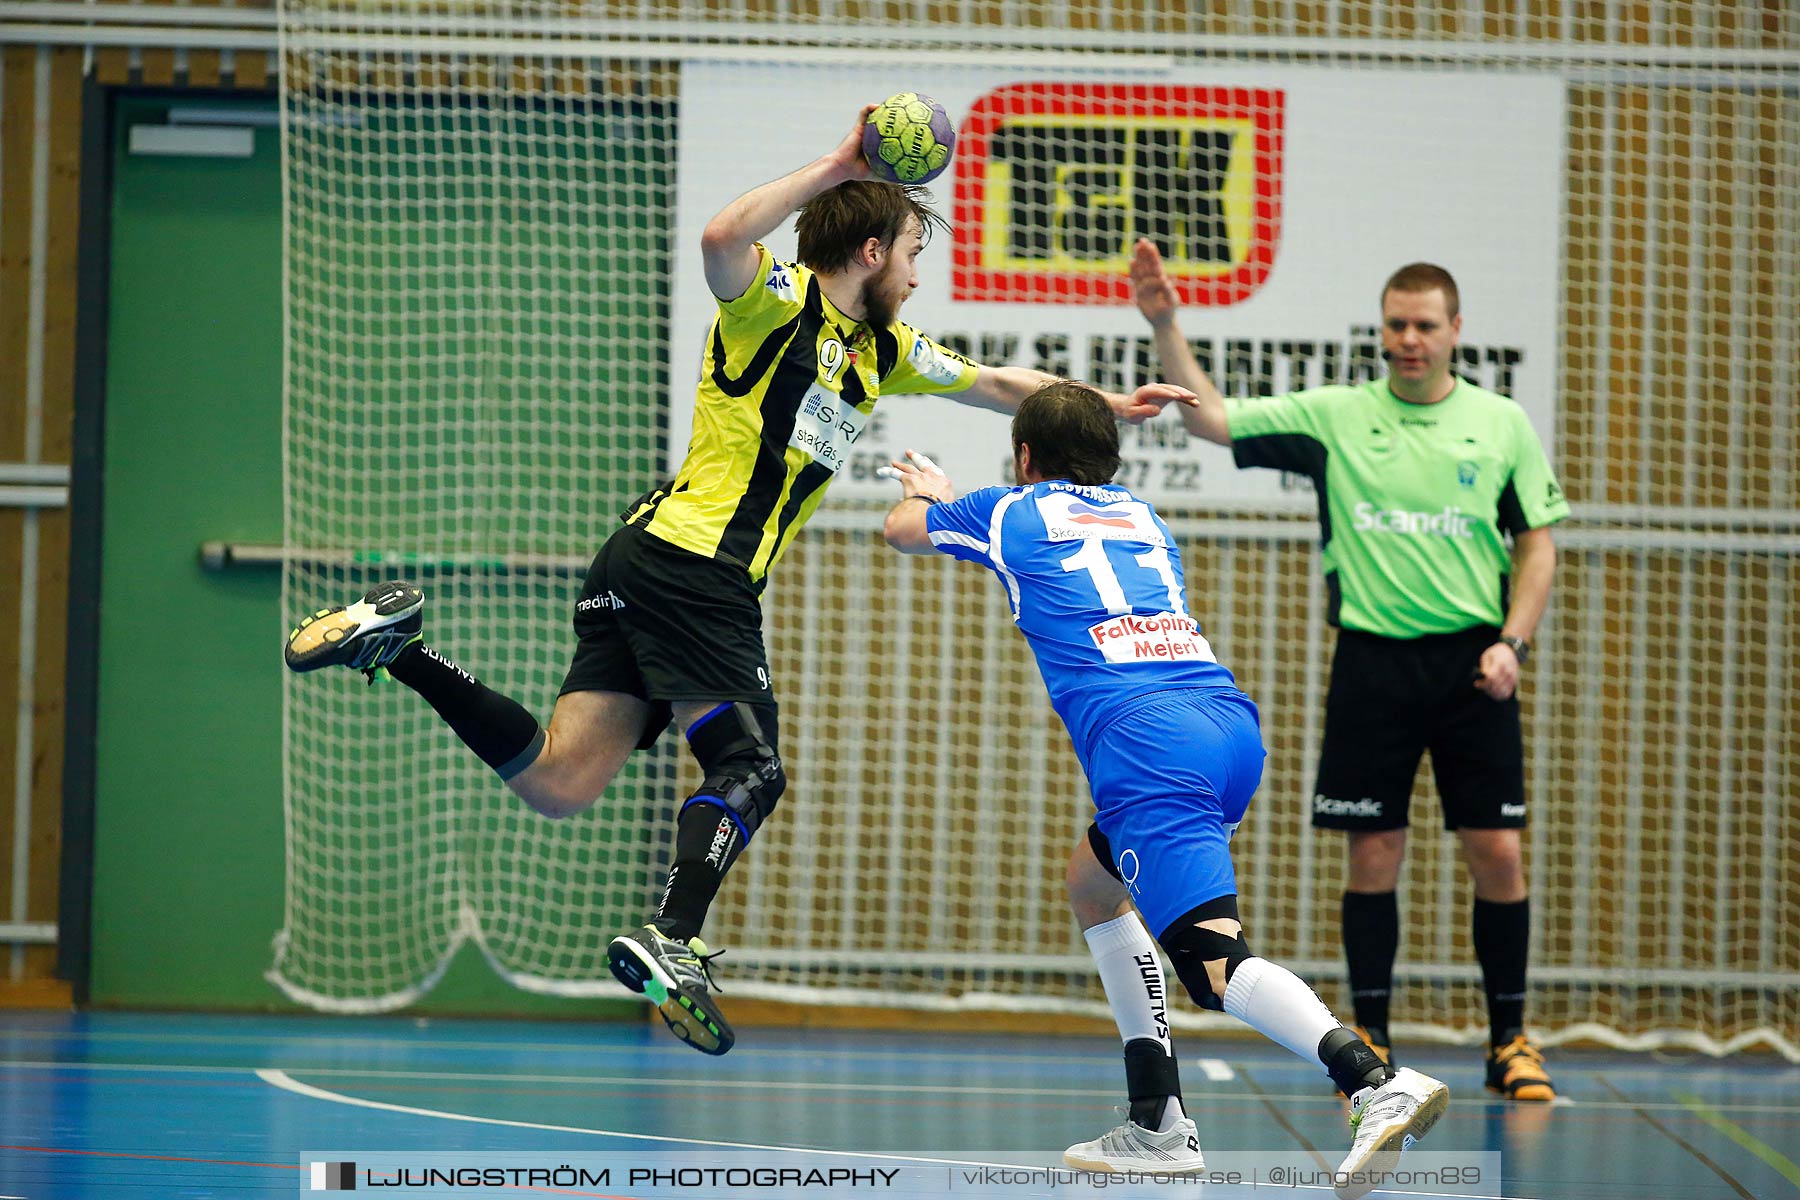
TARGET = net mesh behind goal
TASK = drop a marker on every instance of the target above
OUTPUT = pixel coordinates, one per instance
(481, 255)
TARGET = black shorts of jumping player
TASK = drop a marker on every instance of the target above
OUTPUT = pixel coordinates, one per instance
(1392, 700)
(664, 624)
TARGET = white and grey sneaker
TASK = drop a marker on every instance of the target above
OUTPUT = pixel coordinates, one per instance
(1131, 1147)
(1385, 1122)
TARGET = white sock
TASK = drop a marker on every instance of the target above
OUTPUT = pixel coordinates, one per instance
(1277, 1004)
(1172, 1113)
(1133, 978)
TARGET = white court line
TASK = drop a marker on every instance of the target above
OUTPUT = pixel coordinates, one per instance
(1217, 1070)
(283, 1080)
(710, 1084)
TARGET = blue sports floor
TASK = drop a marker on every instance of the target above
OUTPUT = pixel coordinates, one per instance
(137, 1105)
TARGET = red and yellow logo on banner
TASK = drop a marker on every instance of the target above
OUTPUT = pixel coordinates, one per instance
(1055, 183)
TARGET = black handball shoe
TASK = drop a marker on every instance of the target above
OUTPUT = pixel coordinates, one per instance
(366, 635)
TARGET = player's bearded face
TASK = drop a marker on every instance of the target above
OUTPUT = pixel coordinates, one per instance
(881, 306)
(888, 288)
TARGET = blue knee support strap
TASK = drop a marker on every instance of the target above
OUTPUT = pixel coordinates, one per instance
(743, 771)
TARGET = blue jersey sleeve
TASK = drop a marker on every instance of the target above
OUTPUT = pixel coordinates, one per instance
(963, 527)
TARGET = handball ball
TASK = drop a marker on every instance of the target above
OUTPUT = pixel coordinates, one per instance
(908, 139)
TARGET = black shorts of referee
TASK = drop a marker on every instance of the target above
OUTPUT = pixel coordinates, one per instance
(1393, 699)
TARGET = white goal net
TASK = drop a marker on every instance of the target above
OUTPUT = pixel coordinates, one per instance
(494, 318)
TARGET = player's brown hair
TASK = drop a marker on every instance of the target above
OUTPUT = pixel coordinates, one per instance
(1423, 277)
(834, 224)
(1072, 433)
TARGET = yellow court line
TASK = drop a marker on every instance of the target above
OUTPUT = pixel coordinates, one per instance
(1741, 1136)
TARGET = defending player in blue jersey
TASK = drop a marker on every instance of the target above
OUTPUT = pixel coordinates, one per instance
(1172, 754)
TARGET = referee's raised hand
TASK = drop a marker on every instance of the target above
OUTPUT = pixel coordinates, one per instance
(1151, 288)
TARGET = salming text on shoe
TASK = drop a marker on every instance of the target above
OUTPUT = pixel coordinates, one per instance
(1385, 1121)
(674, 976)
(365, 635)
(1131, 1147)
(1516, 1071)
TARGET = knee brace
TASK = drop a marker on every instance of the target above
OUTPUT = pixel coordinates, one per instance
(1190, 948)
(735, 746)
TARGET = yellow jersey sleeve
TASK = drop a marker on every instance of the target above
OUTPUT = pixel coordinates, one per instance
(923, 366)
(771, 300)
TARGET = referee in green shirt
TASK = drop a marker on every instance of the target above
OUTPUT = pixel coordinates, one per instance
(1421, 478)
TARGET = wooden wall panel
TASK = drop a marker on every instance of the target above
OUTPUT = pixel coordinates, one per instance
(18, 75)
(19, 143)
(61, 252)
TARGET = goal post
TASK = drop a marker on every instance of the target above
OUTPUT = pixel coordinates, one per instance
(494, 322)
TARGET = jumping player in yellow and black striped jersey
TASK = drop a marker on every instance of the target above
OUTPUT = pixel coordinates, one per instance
(669, 620)
(788, 383)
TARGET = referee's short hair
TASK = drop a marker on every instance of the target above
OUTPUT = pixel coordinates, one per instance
(1422, 277)
(834, 224)
(1072, 433)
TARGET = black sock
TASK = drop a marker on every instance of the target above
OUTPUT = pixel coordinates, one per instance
(1502, 935)
(496, 728)
(1371, 939)
(707, 842)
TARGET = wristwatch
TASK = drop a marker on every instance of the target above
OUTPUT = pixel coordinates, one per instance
(1520, 647)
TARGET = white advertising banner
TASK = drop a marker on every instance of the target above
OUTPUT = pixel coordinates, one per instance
(1296, 192)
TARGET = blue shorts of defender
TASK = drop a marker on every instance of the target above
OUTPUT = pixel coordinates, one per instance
(1171, 779)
